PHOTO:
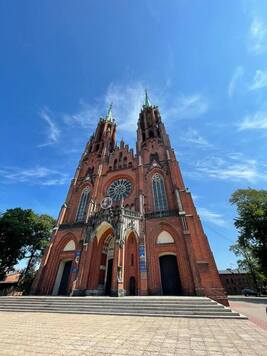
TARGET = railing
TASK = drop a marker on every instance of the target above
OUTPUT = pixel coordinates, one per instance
(161, 214)
(132, 213)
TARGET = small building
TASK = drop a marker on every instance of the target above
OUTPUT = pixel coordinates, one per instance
(234, 280)
(9, 283)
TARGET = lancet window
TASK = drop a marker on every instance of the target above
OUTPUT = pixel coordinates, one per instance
(81, 214)
(159, 194)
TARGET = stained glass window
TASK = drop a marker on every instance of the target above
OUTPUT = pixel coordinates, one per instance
(119, 189)
(160, 200)
(81, 214)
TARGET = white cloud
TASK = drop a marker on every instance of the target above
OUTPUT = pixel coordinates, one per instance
(259, 80)
(238, 74)
(187, 107)
(127, 101)
(37, 176)
(193, 137)
(258, 120)
(257, 36)
(210, 216)
(232, 169)
(126, 104)
(86, 117)
(53, 131)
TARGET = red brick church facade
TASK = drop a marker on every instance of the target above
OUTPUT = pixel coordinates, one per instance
(129, 225)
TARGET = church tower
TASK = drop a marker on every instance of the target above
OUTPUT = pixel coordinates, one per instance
(128, 225)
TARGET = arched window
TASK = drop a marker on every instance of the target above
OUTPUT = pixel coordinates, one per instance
(81, 214)
(160, 200)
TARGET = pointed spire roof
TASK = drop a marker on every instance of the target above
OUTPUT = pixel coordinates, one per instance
(147, 103)
(109, 114)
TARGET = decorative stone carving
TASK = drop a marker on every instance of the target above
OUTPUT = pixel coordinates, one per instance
(120, 219)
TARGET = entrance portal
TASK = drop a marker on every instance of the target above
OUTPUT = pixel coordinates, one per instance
(109, 277)
(170, 280)
(132, 286)
(63, 287)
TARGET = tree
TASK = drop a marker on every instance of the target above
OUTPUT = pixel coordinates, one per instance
(23, 234)
(248, 263)
(251, 223)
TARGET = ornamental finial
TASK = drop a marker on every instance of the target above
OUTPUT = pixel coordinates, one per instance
(147, 102)
(109, 114)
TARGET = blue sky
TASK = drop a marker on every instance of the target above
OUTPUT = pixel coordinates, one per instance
(203, 62)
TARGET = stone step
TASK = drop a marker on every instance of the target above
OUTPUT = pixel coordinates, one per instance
(124, 299)
(232, 315)
(132, 304)
(142, 306)
(104, 307)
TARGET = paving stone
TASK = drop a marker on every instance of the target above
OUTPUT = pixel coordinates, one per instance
(63, 334)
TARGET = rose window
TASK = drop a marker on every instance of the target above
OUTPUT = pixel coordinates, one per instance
(119, 189)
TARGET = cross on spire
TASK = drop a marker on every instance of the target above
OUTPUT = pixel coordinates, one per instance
(147, 102)
(109, 114)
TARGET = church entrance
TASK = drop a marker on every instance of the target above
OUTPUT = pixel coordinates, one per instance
(109, 277)
(132, 286)
(64, 283)
(170, 280)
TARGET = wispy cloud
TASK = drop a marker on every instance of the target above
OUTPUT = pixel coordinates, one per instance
(37, 176)
(257, 36)
(259, 80)
(86, 117)
(53, 131)
(210, 216)
(232, 168)
(257, 121)
(187, 107)
(193, 137)
(127, 101)
(238, 74)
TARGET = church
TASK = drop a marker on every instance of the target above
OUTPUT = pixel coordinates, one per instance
(128, 225)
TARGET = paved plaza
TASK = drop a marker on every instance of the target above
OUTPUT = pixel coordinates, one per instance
(253, 308)
(65, 334)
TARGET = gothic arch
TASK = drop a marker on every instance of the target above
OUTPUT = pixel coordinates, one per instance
(164, 237)
(64, 240)
(101, 230)
(83, 204)
(70, 246)
(130, 231)
(166, 253)
(168, 228)
(159, 192)
(131, 264)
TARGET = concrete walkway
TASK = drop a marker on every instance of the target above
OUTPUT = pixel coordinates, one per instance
(254, 309)
(64, 334)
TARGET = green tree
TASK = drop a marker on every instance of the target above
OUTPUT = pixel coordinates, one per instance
(248, 262)
(23, 235)
(251, 224)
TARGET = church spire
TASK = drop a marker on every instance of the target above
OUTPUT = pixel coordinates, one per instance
(147, 103)
(109, 114)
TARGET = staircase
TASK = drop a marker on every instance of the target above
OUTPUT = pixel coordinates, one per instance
(183, 307)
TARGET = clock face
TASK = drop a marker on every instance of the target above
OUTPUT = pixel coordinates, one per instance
(119, 189)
